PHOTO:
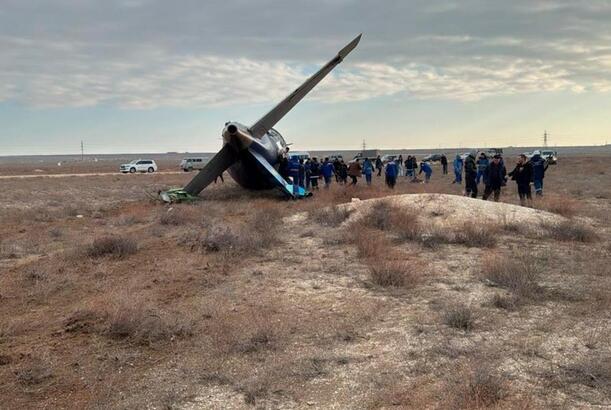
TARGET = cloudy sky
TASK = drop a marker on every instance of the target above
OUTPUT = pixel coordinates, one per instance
(157, 75)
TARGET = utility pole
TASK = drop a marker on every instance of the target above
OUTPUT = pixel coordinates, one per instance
(364, 146)
(545, 138)
(82, 152)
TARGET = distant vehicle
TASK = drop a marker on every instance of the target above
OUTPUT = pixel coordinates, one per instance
(432, 157)
(189, 164)
(139, 165)
(338, 157)
(389, 157)
(550, 156)
(494, 151)
(372, 154)
(464, 155)
(304, 155)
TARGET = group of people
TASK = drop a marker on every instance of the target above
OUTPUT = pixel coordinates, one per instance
(490, 171)
(493, 173)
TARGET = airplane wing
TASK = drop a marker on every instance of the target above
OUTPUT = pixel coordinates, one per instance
(276, 177)
(215, 167)
(271, 118)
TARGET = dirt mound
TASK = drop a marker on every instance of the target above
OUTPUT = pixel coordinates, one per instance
(453, 209)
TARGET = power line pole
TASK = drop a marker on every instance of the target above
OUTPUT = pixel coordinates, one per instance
(82, 151)
(364, 145)
(545, 138)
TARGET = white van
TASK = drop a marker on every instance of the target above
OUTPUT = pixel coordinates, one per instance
(189, 164)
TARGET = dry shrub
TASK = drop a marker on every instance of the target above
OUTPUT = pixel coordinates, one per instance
(35, 373)
(177, 215)
(117, 247)
(459, 317)
(395, 273)
(379, 216)
(592, 371)
(476, 235)
(331, 216)
(503, 302)
(518, 274)
(561, 205)
(141, 323)
(476, 386)
(371, 243)
(405, 224)
(572, 230)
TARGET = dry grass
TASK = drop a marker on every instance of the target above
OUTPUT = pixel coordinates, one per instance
(142, 323)
(519, 274)
(561, 205)
(477, 386)
(593, 371)
(114, 246)
(331, 216)
(459, 317)
(395, 273)
(572, 230)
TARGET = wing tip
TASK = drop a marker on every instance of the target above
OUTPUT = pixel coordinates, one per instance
(350, 46)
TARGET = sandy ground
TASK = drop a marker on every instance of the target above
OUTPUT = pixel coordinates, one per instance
(301, 323)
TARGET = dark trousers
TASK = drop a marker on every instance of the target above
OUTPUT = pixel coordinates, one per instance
(314, 181)
(391, 181)
(489, 190)
(445, 168)
(354, 180)
(470, 186)
(524, 193)
(379, 171)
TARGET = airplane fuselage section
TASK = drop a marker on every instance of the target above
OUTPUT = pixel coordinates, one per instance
(247, 170)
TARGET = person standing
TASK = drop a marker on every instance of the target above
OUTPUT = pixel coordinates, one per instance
(495, 178)
(354, 171)
(379, 165)
(342, 172)
(337, 164)
(470, 176)
(428, 171)
(314, 173)
(327, 171)
(400, 166)
(482, 164)
(391, 174)
(522, 174)
(444, 164)
(367, 170)
(308, 173)
(539, 166)
(294, 171)
(457, 169)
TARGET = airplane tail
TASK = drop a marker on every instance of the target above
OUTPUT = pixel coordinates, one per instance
(258, 129)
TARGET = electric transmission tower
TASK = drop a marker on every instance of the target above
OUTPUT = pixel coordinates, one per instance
(545, 138)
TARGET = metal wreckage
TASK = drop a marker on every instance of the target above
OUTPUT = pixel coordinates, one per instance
(252, 155)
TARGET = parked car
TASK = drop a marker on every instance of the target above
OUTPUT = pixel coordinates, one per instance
(139, 165)
(550, 156)
(432, 158)
(464, 155)
(304, 155)
(189, 164)
(389, 157)
(338, 157)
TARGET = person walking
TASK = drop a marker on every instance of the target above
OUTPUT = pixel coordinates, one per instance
(539, 166)
(458, 163)
(337, 164)
(428, 171)
(409, 167)
(400, 166)
(470, 176)
(482, 164)
(342, 171)
(327, 171)
(522, 174)
(444, 164)
(367, 170)
(354, 171)
(495, 178)
(391, 174)
(379, 165)
(308, 173)
(314, 173)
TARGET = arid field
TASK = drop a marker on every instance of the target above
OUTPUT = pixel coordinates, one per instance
(357, 298)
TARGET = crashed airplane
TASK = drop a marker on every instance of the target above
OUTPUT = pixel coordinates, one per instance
(252, 155)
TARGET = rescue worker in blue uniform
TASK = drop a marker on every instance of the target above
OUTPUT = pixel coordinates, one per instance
(294, 168)
(327, 172)
(428, 171)
(539, 166)
(482, 164)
